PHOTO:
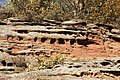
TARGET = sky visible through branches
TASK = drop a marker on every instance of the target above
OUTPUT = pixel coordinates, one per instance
(2, 0)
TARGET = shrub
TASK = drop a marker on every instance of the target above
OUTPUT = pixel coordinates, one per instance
(45, 62)
(6, 10)
(105, 11)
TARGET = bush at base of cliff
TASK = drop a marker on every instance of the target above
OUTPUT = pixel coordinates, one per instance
(45, 62)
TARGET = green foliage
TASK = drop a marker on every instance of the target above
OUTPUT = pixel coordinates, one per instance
(53, 9)
(106, 11)
(102, 10)
(46, 62)
(6, 10)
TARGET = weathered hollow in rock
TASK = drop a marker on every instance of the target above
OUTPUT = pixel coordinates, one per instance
(3, 62)
(105, 63)
(35, 39)
(22, 31)
(72, 41)
(118, 61)
(20, 38)
(9, 64)
(52, 40)
(43, 40)
(116, 39)
(66, 40)
(80, 42)
(61, 41)
(70, 33)
(9, 48)
(116, 73)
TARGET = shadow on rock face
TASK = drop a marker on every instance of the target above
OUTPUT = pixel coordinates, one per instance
(105, 63)
(43, 39)
(20, 62)
(116, 73)
(52, 41)
(61, 41)
(3, 62)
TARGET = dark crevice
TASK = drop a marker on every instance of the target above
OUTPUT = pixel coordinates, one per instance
(7, 70)
(77, 66)
(67, 40)
(76, 75)
(48, 33)
(70, 66)
(2, 23)
(89, 41)
(49, 67)
(82, 74)
(9, 48)
(61, 41)
(43, 39)
(43, 31)
(52, 41)
(116, 73)
(22, 31)
(29, 46)
(11, 69)
(109, 27)
(19, 20)
(72, 41)
(118, 61)
(105, 63)
(1, 50)
(116, 39)
(83, 23)
(20, 38)
(80, 42)
(3, 62)
(70, 33)
(60, 32)
(82, 33)
(85, 42)
(9, 64)
(35, 39)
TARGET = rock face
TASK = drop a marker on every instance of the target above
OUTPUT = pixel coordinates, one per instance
(21, 43)
(71, 35)
(74, 69)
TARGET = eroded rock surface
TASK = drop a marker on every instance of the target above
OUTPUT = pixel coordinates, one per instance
(74, 69)
(92, 50)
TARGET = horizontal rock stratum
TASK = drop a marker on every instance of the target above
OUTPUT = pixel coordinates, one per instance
(89, 49)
